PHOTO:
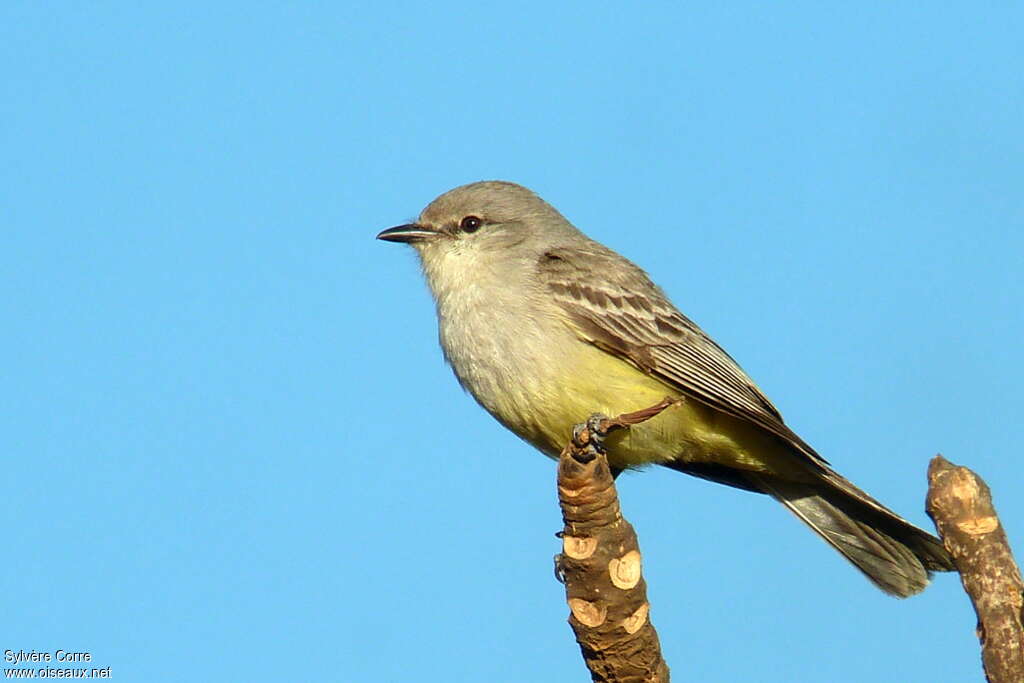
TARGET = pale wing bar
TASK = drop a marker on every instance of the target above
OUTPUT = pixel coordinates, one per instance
(619, 309)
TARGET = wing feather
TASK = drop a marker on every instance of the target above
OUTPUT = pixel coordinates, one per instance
(616, 307)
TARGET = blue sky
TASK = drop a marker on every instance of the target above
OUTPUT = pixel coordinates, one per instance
(231, 448)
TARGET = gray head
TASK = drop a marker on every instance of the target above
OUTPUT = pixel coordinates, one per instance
(487, 221)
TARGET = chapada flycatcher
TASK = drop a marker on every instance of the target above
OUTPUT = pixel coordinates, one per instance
(545, 327)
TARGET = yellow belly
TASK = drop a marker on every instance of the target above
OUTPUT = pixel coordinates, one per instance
(597, 382)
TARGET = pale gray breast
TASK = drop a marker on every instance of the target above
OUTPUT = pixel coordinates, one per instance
(502, 347)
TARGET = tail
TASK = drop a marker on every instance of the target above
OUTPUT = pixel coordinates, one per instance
(894, 554)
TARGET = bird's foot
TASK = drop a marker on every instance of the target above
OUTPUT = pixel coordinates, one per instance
(588, 437)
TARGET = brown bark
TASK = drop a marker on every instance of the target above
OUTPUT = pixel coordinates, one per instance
(960, 504)
(600, 564)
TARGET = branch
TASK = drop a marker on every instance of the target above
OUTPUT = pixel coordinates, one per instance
(960, 504)
(600, 563)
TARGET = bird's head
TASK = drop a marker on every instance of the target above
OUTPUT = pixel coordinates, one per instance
(486, 225)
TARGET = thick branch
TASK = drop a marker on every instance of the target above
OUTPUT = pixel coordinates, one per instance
(960, 503)
(600, 565)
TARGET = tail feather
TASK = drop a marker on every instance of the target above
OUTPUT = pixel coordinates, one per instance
(895, 555)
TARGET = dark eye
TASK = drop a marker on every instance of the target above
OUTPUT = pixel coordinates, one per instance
(470, 224)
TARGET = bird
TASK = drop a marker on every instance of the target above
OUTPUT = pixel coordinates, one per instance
(544, 327)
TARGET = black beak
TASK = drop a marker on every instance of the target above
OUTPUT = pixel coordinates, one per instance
(406, 233)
